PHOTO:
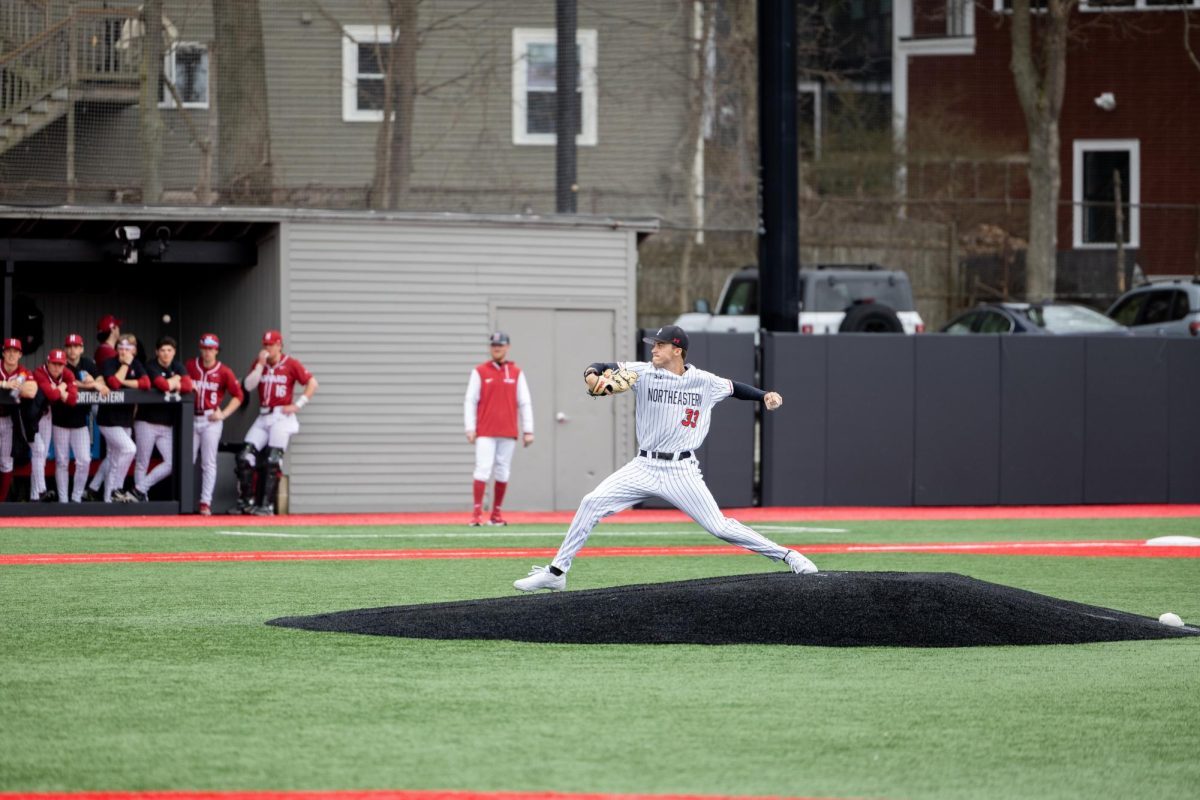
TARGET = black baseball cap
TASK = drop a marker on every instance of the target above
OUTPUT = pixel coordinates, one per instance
(668, 334)
(499, 337)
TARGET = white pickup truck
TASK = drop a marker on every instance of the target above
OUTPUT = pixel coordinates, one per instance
(835, 298)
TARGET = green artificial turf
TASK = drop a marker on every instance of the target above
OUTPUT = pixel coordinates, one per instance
(163, 676)
(243, 534)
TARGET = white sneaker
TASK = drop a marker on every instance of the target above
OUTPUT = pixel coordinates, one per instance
(799, 564)
(543, 578)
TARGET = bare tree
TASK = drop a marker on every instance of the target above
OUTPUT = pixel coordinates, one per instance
(150, 119)
(1039, 64)
(393, 144)
(244, 139)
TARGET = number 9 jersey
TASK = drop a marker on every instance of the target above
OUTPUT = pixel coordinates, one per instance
(674, 411)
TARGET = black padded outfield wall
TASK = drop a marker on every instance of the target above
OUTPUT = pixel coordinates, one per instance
(980, 420)
(727, 457)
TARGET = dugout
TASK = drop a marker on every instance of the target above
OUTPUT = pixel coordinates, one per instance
(390, 311)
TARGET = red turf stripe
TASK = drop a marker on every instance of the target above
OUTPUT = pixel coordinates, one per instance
(1116, 548)
(386, 794)
(640, 516)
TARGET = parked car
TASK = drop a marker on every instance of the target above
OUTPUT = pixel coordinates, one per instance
(1034, 318)
(1164, 308)
(834, 298)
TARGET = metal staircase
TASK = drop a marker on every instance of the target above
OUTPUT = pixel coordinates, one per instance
(91, 55)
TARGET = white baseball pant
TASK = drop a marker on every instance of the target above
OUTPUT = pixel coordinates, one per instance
(493, 456)
(680, 484)
(6, 434)
(67, 440)
(273, 429)
(206, 440)
(121, 452)
(147, 436)
(39, 450)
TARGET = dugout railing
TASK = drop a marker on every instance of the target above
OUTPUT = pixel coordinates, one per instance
(182, 481)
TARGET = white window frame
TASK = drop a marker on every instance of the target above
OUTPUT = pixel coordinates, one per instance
(587, 41)
(165, 99)
(352, 37)
(1133, 223)
(1139, 5)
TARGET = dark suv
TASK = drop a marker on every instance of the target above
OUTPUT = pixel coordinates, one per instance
(1163, 308)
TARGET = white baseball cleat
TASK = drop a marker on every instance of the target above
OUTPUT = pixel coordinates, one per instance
(799, 564)
(542, 578)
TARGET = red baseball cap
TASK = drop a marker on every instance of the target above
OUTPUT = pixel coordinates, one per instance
(108, 322)
(272, 337)
(57, 357)
(210, 340)
(13, 344)
(73, 338)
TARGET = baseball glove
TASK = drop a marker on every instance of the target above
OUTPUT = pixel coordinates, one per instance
(613, 382)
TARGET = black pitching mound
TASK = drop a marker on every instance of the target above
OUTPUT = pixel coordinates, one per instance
(833, 609)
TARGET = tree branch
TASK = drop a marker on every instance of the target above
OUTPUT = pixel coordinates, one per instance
(1187, 39)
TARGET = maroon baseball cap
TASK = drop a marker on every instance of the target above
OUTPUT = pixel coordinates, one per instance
(107, 323)
(210, 340)
(13, 344)
(73, 338)
(57, 357)
(272, 337)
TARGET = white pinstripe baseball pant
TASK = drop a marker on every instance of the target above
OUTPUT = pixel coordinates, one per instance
(147, 436)
(493, 457)
(680, 484)
(39, 449)
(206, 440)
(121, 452)
(67, 440)
(6, 434)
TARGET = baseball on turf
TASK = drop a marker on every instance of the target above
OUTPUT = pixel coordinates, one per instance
(166, 319)
(1171, 619)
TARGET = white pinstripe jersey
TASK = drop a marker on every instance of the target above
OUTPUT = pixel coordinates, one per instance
(674, 411)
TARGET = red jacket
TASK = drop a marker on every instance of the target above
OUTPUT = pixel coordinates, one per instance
(50, 388)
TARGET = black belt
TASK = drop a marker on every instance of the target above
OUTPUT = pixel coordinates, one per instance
(666, 456)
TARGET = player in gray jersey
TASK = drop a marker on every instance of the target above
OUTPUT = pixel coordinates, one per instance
(674, 404)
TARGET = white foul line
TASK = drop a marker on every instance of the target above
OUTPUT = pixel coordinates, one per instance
(500, 534)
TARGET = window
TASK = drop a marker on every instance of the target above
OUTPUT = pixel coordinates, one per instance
(1097, 163)
(742, 297)
(1160, 307)
(964, 323)
(185, 65)
(366, 51)
(994, 322)
(1126, 312)
(534, 86)
(1136, 5)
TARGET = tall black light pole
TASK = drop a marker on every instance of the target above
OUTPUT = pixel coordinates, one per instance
(779, 221)
(566, 118)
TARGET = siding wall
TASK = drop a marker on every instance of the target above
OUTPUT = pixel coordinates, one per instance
(392, 316)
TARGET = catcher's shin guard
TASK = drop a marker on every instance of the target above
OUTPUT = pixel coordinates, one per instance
(271, 469)
(245, 478)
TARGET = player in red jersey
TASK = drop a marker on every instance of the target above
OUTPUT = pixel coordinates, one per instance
(496, 395)
(213, 381)
(19, 382)
(274, 375)
(57, 386)
(108, 332)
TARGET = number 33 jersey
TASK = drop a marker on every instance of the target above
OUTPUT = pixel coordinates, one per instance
(674, 411)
